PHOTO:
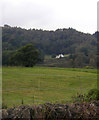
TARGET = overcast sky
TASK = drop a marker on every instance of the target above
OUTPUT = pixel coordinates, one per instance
(50, 14)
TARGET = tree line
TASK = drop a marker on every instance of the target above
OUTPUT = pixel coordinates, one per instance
(80, 46)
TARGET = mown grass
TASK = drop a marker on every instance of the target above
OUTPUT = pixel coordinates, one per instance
(45, 84)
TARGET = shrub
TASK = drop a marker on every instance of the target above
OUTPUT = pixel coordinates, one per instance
(79, 98)
(89, 67)
(4, 106)
(93, 94)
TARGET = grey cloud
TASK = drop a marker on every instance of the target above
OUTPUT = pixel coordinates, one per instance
(26, 13)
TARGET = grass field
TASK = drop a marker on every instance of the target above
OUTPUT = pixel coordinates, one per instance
(45, 84)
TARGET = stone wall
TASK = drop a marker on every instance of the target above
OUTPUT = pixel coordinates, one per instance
(48, 111)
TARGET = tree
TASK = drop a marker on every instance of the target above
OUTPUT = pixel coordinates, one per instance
(6, 55)
(26, 56)
(80, 60)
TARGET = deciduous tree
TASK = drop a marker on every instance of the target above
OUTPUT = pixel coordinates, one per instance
(26, 56)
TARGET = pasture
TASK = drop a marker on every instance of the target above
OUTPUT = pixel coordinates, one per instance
(39, 85)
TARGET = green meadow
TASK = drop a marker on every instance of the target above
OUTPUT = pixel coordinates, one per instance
(37, 85)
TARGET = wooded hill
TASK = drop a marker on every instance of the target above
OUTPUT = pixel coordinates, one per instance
(65, 41)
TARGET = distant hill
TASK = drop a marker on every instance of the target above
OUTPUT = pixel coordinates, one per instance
(65, 41)
(50, 42)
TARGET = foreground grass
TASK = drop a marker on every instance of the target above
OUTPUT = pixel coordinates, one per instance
(45, 84)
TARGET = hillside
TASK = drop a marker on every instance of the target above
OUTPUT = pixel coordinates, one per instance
(65, 41)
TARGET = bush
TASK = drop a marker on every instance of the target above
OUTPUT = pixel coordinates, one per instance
(93, 94)
(79, 98)
(89, 67)
(4, 106)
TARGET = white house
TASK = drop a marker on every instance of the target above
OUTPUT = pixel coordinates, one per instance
(60, 56)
